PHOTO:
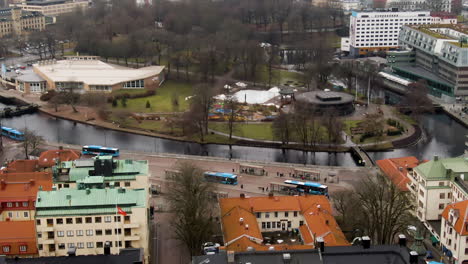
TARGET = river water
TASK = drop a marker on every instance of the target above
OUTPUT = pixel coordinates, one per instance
(447, 138)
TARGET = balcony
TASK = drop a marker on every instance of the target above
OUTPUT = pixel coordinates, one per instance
(134, 237)
(131, 225)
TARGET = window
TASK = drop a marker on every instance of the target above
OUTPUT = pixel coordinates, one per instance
(273, 224)
(89, 220)
(268, 224)
(421, 193)
(23, 248)
(38, 222)
(441, 206)
(441, 184)
(39, 246)
(99, 244)
(301, 223)
(259, 215)
(289, 223)
(134, 84)
(127, 184)
(295, 214)
(276, 214)
(25, 204)
(267, 215)
(9, 204)
(39, 235)
(108, 231)
(60, 233)
(98, 232)
(6, 249)
(80, 245)
(117, 218)
(59, 221)
(263, 225)
(10, 214)
(26, 214)
(61, 246)
(71, 245)
(118, 231)
(79, 220)
(69, 233)
(442, 196)
(79, 232)
(69, 221)
(89, 232)
(89, 244)
(286, 214)
(97, 219)
(107, 219)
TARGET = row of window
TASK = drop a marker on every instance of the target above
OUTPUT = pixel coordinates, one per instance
(276, 214)
(7, 248)
(80, 245)
(25, 214)
(89, 232)
(278, 224)
(376, 44)
(17, 204)
(79, 220)
(394, 20)
(135, 84)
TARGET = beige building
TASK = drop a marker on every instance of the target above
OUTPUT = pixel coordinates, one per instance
(89, 74)
(52, 7)
(101, 172)
(19, 22)
(454, 231)
(86, 221)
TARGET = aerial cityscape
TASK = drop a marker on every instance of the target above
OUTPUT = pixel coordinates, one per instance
(234, 131)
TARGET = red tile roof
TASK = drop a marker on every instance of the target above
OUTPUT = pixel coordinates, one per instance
(49, 157)
(396, 169)
(22, 190)
(18, 233)
(461, 225)
(241, 230)
(22, 166)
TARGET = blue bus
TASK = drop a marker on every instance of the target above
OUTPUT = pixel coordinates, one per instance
(309, 187)
(100, 151)
(12, 133)
(221, 177)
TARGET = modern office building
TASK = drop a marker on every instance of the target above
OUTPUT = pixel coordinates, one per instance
(378, 31)
(440, 58)
(86, 221)
(88, 74)
(454, 231)
(102, 172)
(53, 8)
(16, 21)
(248, 221)
(410, 5)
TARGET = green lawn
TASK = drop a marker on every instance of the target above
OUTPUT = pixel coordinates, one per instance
(261, 131)
(348, 124)
(161, 102)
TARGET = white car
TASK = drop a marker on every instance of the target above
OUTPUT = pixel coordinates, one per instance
(210, 248)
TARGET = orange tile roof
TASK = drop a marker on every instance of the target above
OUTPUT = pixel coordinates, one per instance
(22, 166)
(16, 233)
(22, 191)
(48, 158)
(461, 226)
(391, 168)
(315, 209)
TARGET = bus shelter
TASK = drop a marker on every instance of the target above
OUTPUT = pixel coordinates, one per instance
(252, 169)
(282, 188)
(307, 174)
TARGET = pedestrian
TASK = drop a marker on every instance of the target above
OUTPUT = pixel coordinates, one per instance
(263, 189)
(277, 174)
(267, 189)
(325, 180)
(242, 186)
(233, 170)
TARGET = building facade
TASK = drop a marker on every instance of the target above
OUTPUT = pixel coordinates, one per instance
(440, 59)
(52, 7)
(378, 31)
(19, 22)
(454, 231)
(437, 183)
(85, 221)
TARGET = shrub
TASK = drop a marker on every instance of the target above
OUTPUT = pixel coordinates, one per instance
(47, 96)
(124, 101)
(148, 105)
(114, 102)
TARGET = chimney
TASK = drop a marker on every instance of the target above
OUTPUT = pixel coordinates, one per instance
(246, 227)
(242, 196)
(241, 221)
(321, 244)
(402, 240)
(326, 222)
(272, 248)
(366, 242)
(413, 257)
(107, 248)
(230, 257)
(31, 182)
(436, 157)
(2, 184)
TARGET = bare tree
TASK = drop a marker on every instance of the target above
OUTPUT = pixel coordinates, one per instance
(201, 104)
(190, 202)
(282, 129)
(416, 99)
(31, 142)
(230, 106)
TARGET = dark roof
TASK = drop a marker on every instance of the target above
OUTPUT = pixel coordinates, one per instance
(331, 255)
(126, 256)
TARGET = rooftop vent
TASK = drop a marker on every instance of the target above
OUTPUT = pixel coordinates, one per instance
(242, 196)
(413, 257)
(402, 240)
(246, 227)
(366, 242)
(286, 257)
(271, 248)
(241, 220)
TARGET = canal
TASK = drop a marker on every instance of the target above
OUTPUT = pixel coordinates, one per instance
(446, 138)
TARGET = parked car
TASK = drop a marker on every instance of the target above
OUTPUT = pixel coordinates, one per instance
(210, 248)
(22, 67)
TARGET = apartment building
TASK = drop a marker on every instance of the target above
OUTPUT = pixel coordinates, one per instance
(16, 21)
(52, 8)
(248, 221)
(102, 172)
(437, 183)
(85, 221)
(396, 169)
(440, 59)
(18, 239)
(378, 31)
(19, 184)
(454, 231)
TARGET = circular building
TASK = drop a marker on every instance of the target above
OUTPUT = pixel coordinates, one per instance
(321, 102)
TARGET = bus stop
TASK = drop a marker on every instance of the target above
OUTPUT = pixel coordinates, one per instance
(307, 174)
(252, 169)
(282, 188)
